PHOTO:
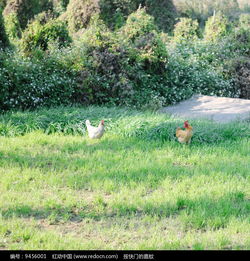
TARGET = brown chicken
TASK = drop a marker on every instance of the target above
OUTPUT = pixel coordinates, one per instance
(184, 136)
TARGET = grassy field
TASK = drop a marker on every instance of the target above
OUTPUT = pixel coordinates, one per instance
(137, 188)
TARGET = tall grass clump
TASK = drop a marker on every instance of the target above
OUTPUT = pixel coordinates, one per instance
(120, 122)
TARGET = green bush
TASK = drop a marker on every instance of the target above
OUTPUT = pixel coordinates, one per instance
(201, 10)
(244, 20)
(143, 40)
(163, 11)
(216, 27)
(132, 65)
(4, 41)
(239, 70)
(241, 40)
(12, 26)
(59, 6)
(44, 17)
(105, 67)
(115, 12)
(29, 83)
(4, 79)
(102, 74)
(2, 4)
(26, 9)
(79, 13)
(38, 35)
(123, 67)
(186, 30)
(190, 71)
(137, 24)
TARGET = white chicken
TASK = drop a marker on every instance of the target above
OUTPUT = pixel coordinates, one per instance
(95, 132)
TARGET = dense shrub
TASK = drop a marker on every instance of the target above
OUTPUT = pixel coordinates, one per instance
(79, 13)
(201, 10)
(121, 59)
(242, 77)
(26, 9)
(44, 17)
(186, 30)
(163, 11)
(132, 67)
(143, 40)
(123, 67)
(59, 6)
(114, 13)
(241, 40)
(3, 36)
(137, 24)
(2, 4)
(12, 26)
(190, 71)
(216, 27)
(28, 83)
(38, 35)
(244, 20)
(239, 70)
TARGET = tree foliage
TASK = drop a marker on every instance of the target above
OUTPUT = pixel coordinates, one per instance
(186, 30)
(26, 9)
(38, 35)
(216, 27)
(3, 36)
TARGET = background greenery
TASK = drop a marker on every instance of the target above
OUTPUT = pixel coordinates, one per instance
(143, 54)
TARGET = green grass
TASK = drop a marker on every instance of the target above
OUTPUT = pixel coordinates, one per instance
(137, 188)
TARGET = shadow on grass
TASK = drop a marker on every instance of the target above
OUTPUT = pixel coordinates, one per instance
(119, 161)
(200, 213)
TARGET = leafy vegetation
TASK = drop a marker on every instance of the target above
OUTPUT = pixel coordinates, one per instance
(4, 41)
(195, 10)
(216, 27)
(186, 30)
(26, 9)
(114, 13)
(132, 53)
(12, 27)
(28, 84)
(39, 36)
(79, 13)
